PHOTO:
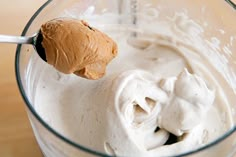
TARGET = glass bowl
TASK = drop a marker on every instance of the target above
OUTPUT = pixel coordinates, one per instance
(219, 16)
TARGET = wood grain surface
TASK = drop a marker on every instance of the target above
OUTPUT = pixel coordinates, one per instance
(16, 136)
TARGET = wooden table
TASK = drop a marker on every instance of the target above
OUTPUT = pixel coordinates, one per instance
(16, 136)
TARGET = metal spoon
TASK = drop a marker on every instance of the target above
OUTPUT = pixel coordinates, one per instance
(34, 40)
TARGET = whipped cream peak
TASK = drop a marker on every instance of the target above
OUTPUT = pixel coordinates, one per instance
(175, 105)
(194, 89)
(190, 101)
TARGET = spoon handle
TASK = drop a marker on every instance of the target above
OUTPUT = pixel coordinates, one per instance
(16, 39)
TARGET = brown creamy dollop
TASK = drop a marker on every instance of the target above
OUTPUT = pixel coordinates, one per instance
(72, 46)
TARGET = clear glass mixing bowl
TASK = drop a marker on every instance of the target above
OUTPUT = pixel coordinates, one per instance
(220, 18)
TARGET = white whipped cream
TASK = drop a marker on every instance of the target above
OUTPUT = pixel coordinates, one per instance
(161, 85)
(190, 100)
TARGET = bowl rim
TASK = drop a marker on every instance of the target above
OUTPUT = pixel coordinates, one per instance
(67, 140)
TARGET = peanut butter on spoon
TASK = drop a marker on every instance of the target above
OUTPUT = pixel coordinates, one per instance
(72, 46)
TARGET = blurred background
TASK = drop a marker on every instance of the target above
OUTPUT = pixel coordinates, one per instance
(16, 136)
